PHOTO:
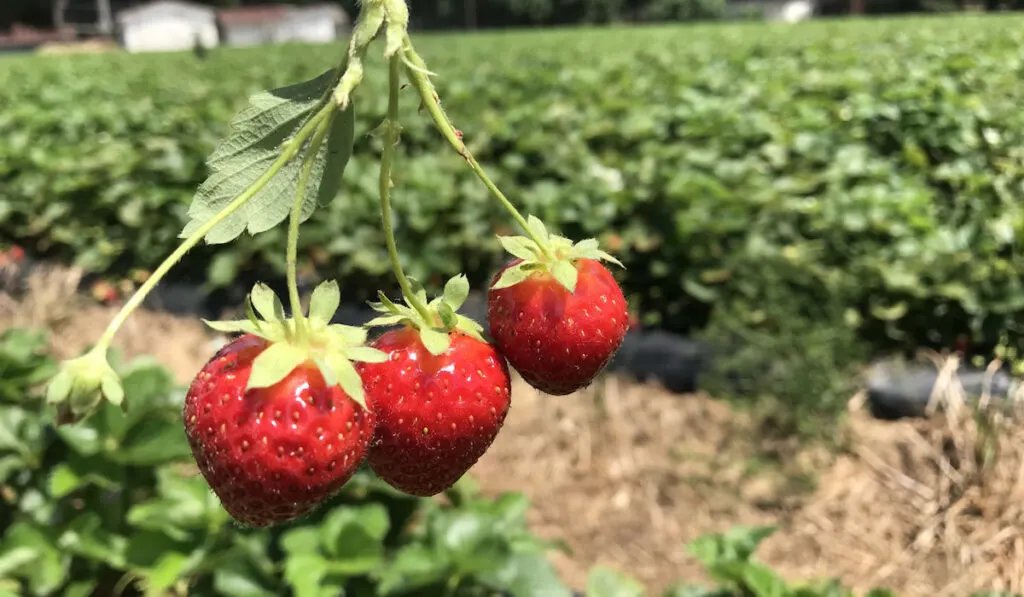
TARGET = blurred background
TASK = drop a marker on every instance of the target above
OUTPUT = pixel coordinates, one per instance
(819, 205)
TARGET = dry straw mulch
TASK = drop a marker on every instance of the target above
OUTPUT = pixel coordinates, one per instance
(627, 473)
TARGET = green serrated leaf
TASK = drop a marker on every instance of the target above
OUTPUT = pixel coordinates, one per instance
(348, 378)
(565, 273)
(274, 364)
(324, 301)
(366, 354)
(266, 303)
(537, 227)
(434, 341)
(519, 246)
(338, 153)
(254, 143)
(511, 276)
(456, 291)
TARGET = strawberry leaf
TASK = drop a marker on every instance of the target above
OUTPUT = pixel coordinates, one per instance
(434, 341)
(448, 317)
(266, 303)
(274, 364)
(456, 291)
(519, 246)
(254, 143)
(565, 273)
(537, 227)
(385, 321)
(324, 301)
(512, 276)
(244, 326)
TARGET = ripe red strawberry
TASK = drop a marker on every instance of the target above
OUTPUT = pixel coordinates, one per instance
(272, 454)
(277, 419)
(436, 415)
(558, 319)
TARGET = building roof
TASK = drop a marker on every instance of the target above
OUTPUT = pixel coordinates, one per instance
(272, 13)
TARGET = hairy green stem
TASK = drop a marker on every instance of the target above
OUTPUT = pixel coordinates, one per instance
(391, 133)
(289, 152)
(294, 219)
(417, 70)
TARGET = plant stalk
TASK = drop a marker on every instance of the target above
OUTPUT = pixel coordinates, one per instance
(391, 134)
(289, 152)
(294, 219)
(416, 69)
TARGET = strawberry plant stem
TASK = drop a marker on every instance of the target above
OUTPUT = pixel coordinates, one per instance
(417, 71)
(296, 216)
(290, 150)
(392, 129)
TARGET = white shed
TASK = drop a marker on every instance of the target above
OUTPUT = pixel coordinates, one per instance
(167, 26)
(317, 23)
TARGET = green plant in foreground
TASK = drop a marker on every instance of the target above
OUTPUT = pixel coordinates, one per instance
(279, 420)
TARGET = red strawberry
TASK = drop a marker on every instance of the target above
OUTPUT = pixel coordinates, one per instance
(272, 454)
(557, 316)
(277, 419)
(440, 397)
(436, 415)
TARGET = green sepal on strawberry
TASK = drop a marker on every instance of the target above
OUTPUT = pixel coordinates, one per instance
(82, 384)
(278, 420)
(555, 311)
(442, 317)
(441, 397)
(331, 347)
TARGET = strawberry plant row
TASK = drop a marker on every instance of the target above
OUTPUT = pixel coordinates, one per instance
(878, 162)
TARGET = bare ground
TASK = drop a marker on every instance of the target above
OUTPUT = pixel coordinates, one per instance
(626, 474)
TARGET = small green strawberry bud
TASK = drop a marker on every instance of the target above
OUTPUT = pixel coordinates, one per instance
(81, 385)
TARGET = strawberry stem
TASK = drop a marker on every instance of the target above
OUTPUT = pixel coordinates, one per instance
(291, 149)
(296, 216)
(392, 130)
(417, 71)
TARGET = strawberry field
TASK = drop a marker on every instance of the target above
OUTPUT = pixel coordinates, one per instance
(878, 163)
(801, 202)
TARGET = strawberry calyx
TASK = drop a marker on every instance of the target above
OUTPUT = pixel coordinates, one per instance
(436, 320)
(295, 341)
(82, 384)
(544, 252)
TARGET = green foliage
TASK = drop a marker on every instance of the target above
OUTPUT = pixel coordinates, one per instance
(881, 159)
(796, 364)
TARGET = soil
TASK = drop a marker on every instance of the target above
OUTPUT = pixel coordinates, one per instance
(626, 474)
